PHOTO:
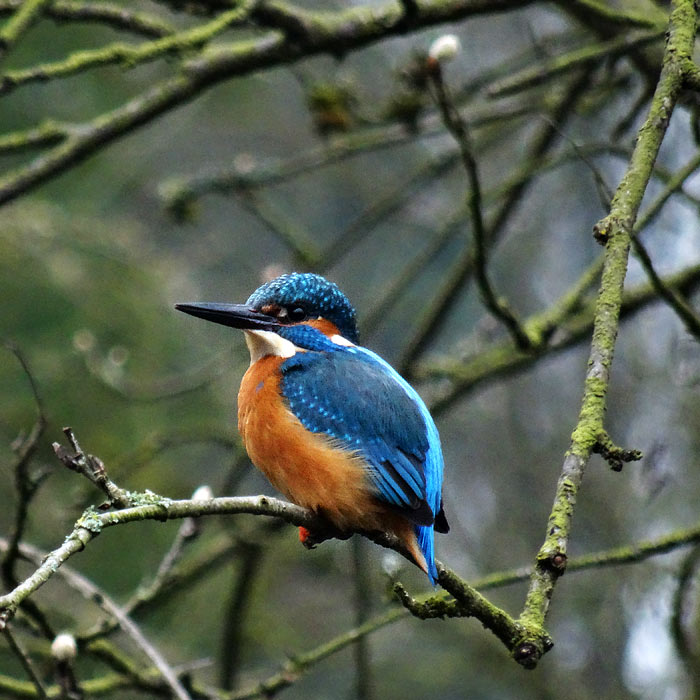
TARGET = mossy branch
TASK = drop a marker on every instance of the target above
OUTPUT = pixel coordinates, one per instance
(127, 54)
(502, 358)
(574, 60)
(150, 678)
(150, 506)
(25, 15)
(333, 33)
(615, 456)
(102, 12)
(615, 231)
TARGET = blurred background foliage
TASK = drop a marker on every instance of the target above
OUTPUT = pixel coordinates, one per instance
(92, 261)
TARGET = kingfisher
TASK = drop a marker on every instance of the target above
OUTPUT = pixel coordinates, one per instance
(331, 424)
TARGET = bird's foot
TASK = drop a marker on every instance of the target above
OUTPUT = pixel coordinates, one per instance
(306, 538)
(310, 539)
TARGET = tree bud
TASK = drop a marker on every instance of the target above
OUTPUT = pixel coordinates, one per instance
(64, 647)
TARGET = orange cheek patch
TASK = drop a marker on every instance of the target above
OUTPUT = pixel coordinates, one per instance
(326, 327)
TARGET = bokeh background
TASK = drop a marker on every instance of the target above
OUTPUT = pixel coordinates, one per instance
(92, 261)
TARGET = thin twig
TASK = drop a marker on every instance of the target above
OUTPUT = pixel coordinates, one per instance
(26, 662)
(26, 485)
(92, 468)
(25, 15)
(236, 613)
(682, 308)
(436, 312)
(102, 12)
(219, 553)
(458, 128)
(679, 623)
(127, 54)
(92, 592)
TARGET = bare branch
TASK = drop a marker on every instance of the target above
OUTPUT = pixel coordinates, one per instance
(92, 468)
(101, 12)
(26, 663)
(25, 15)
(580, 58)
(458, 128)
(333, 32)
(127, 54)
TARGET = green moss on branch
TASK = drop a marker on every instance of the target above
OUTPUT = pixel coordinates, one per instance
(615, 232)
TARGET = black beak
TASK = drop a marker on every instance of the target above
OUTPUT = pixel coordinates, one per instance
(234, 315)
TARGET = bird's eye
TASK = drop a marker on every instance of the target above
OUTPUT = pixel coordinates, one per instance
(296, 314)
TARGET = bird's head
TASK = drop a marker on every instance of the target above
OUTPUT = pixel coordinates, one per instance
(295, 299)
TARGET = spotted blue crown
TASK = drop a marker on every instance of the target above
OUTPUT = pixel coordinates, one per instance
(314, 294)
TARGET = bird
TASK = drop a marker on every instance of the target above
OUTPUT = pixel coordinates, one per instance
(332, 425)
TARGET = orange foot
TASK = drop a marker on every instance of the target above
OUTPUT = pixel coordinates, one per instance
(305, 537)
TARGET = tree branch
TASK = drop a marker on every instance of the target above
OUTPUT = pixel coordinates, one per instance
(458, 128)
(615, 231)
(127, 54)
(334, 32)
(503, 359)
(25, 15)
(101, 12)
(580, 58)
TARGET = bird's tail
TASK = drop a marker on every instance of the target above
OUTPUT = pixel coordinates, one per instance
(424, 535)
(418, 540)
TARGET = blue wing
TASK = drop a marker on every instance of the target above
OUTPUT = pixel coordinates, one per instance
(352, 395)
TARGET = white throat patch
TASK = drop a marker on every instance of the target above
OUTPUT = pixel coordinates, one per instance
(263, 343)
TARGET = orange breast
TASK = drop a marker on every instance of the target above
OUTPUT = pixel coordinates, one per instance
(309, 468)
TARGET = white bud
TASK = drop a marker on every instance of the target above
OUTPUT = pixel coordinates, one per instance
(84, 340)
(391, 564)
(118, 355)
(203, 493)
(63, 647)
(445, 48)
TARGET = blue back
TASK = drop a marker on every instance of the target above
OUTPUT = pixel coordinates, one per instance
(354, 396)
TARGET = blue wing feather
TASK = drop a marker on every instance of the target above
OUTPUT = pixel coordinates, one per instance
(356, 398)
(352, 395)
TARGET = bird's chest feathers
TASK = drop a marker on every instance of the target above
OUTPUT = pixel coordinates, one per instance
(309, 468)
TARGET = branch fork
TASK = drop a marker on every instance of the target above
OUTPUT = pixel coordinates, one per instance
(615, 456)
(92, 468)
